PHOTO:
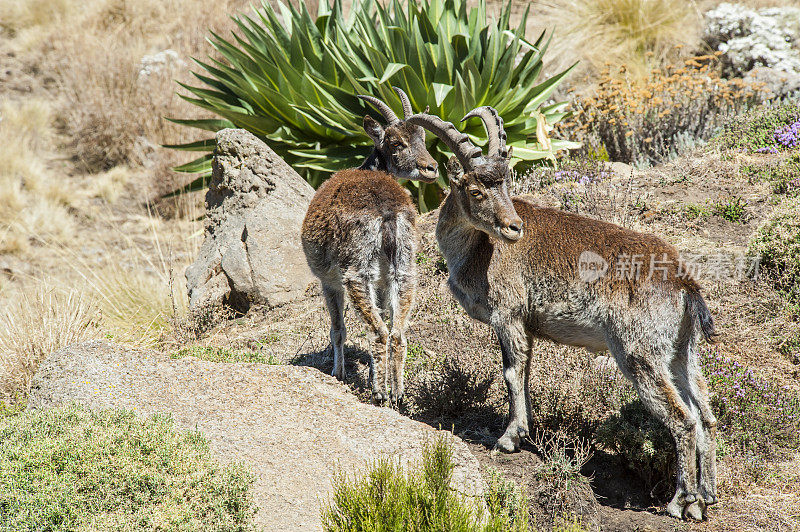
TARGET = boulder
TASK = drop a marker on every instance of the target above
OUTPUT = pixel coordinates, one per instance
(294, 427)
(254, 210)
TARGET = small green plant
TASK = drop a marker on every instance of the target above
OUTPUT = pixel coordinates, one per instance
(756, 129)
(292, 78)
(733, 209)
(71, 468)
(224, 354)
(561, 484)
(506, 502)
(572, 523)
(790, 347)
(783, 175)
(11, 408)
(787, 177)
(387, 499)
(693, 211)
(777, 243)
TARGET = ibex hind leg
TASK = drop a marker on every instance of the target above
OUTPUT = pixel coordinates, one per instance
(648, 367)
(402, 294)
(688, 378)
(361, 294)
(334, 300)
(707, 427)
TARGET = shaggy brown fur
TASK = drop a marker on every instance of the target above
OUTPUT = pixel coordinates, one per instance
(525, 271)
(360, 237)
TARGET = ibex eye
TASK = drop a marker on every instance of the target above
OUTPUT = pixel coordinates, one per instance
(476, 194)
(397, 144)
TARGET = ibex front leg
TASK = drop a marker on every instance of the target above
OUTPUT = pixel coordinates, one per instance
(515, 345)
(360, 292)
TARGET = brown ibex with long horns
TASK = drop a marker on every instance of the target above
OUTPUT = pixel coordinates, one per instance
(532, 272)
(359, 236)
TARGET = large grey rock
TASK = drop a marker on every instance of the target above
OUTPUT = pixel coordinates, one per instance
(254, 210)
(294, 427)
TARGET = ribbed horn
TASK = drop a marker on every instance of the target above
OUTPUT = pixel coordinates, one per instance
(382, 108)
(406, 103)
(458, 142)
(494, 130)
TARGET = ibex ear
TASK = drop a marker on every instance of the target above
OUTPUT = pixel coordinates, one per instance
(454, 171)
(373, 129)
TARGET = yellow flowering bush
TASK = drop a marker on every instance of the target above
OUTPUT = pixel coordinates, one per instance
(644, 121)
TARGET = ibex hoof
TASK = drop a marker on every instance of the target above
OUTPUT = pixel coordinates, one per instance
(506, 444)
(396, 400)
(709, 496)
(379, 398)
(339, 373)
(695, 511)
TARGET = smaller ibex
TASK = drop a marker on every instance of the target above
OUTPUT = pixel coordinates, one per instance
(533, 272)
(359, 236)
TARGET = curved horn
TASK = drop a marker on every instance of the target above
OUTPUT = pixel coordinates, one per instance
(494, 129)
(406, 103)
(382, 108)
(458, 142)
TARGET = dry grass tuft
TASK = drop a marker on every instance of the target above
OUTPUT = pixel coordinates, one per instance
(17, 16)
(111, 184)
(34, 200)
(35, 326)
(640, 33)
(115, 77)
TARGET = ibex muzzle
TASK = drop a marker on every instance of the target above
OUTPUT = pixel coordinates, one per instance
(399, 147)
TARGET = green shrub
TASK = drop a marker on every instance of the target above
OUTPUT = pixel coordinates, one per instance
(75, 469)
(292, 80)
(758, 415)
(755, 130)
(777, 242)
(694, 211)
(786, 179)
(422, 500)
(643, 442)
(733, 209)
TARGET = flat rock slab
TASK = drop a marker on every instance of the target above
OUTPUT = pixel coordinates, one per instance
(293, 426)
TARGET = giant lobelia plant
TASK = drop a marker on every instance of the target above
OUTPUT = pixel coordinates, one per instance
(292, 80)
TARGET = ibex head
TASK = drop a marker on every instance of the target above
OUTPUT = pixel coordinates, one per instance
(400, 145)
(479, 183)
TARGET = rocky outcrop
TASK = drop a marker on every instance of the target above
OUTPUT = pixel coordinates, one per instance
(254, 210)
(294, 427)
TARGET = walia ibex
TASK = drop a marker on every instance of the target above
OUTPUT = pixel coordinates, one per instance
(359, 236)
(533, 272)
